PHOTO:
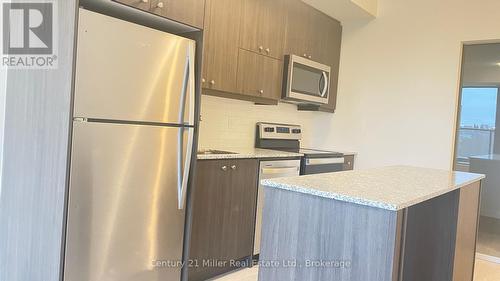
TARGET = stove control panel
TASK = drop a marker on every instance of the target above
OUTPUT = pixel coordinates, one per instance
(279, 131)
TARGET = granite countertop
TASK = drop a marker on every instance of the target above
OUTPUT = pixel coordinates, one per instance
(242, 153)
(391, 188)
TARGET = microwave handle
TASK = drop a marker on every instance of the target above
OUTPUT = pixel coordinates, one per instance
(325, 87)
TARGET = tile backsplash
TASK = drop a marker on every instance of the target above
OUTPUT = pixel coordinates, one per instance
(228, 123)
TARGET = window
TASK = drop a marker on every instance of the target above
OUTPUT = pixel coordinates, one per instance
(477, 122)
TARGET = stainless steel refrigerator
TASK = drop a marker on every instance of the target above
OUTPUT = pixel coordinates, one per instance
(133, 130)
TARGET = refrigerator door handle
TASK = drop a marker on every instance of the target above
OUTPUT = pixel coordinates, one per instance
(192, 84)
(184, 168)
(188, 83)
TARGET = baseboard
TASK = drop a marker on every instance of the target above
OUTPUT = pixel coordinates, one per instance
(488, 258)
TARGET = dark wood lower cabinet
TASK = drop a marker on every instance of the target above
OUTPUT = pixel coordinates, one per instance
(224, 205)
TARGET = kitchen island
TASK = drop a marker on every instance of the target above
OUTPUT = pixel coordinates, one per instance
(384, 224)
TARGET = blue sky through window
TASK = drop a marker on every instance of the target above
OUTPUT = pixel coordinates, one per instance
(479, 107)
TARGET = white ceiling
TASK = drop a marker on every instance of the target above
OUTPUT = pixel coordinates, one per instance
(346, 10)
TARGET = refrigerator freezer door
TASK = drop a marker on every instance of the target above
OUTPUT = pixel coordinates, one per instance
(124, 221)
(129, 72)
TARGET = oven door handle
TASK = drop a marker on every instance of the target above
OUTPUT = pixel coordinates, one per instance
(324, 161)
(280, 170)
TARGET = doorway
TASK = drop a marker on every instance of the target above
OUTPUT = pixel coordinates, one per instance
(477, 143)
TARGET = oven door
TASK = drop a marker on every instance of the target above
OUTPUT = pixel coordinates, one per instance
(308, 81)
(322, 165)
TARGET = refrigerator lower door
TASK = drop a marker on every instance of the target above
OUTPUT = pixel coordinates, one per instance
(124, 221)
(125, 71)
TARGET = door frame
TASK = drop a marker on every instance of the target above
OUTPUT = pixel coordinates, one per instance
(458, 97)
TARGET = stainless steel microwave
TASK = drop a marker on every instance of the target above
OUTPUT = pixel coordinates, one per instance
(305, 81)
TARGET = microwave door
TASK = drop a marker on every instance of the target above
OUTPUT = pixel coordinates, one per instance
(308, 81)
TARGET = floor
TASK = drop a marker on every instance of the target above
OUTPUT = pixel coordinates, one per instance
(248, 274)
(484, 271)
(489, 237)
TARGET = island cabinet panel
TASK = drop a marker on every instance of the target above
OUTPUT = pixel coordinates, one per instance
(259, 75)
(262, 27)
(429, 243)
(221, 35)
(190, 12)
(223, 216)
(328, 239)
(465, 249)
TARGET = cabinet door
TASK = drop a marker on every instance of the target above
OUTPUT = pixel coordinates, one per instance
(221, 35)
(223, 215)
(140, 4)
(262, 27)
(211, 185)
(259, 75)
(326, 38)
(239, 221)
(298, 22)
(190, 12)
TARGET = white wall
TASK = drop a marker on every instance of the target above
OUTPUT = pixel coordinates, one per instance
(398, 85)
(399, 77)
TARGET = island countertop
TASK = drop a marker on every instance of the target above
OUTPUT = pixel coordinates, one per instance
(391, 188)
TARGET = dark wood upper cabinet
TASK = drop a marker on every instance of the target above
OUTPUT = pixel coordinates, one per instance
(190, 12)
(224, 203)
(245, 42)
(298, 28)
(316, 36)
(310, 33)
(259, 75)
(139, 4)
(262, 27)
(221, 35)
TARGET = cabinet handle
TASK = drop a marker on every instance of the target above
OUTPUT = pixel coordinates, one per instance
(268, 50)
(144, 1)
(224, 168)
(305, 55)
(203, 80)
(261, 48)
(212, 82)
(261, 92)
(233, 167)
(310, 57)
(349, 163)
(160, 5)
